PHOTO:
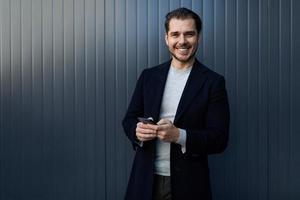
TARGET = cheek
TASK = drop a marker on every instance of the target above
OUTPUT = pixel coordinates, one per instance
(172, 45)
(194, 42)
(169, 43)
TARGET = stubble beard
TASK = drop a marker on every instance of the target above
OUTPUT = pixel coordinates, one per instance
(191, 57)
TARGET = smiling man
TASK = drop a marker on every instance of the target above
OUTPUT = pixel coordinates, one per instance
(177, 116)
(182, 40)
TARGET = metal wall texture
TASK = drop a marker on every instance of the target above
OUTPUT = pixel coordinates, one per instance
(68, 69)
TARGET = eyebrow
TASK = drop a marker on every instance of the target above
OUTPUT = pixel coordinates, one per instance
(187, 32)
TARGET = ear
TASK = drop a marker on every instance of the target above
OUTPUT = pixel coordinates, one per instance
(199, 36)
(166, 39)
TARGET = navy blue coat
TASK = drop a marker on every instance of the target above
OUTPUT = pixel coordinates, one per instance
(203, 112)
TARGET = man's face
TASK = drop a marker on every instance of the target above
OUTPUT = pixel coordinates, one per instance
(182, 39)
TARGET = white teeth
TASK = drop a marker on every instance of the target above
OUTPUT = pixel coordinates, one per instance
(183, 50)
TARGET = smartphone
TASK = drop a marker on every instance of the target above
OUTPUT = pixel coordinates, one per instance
(148, 120)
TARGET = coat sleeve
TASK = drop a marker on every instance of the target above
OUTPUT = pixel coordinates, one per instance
(214, 137)
(135, 110)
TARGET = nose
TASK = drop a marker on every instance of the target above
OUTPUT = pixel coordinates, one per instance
(182, 39)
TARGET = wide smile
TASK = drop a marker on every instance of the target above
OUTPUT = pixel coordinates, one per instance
(183, 50)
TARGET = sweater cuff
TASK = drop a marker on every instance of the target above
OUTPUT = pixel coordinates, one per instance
(182, 139)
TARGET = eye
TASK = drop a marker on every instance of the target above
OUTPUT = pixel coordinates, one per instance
(174, 34)
(190, 34)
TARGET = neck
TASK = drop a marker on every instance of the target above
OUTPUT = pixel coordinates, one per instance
(181, 65)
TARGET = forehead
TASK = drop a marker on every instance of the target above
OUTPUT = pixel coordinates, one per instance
(182, 25)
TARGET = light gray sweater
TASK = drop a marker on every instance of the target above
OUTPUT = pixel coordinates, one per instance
(175, 84)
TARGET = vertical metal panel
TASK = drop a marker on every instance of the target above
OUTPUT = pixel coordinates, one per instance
(218, 63)
(90, 97)
(163, 9)
(142, 42)
(67, 169)
(253, 89)
(174, 4)
(294, 103)
(47, 123)
(100, 139)
(110, 99)
(36, 136)
(27, 83)
(208, 32)
(135, 61)
(80, 99)
(263, 167)
(284, 97)
(186, 3)
(7, 177)
(273, 70)
(15, 94)
(198, 8)
(153, 33)
(242, 121)
(120, 38)
(58, 97)
(231, 79)
(68, 69)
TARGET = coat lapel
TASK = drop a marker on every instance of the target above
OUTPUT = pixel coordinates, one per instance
(192, 87)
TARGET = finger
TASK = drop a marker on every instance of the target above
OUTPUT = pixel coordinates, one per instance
(140, 124)
(147, 126)
(145, 137)
(164, 127)
(145, 131)
(163, 121)
(162, 134)
(152, 126)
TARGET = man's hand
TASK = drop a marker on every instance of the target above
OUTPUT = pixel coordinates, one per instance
(167, 132)
(146, 132)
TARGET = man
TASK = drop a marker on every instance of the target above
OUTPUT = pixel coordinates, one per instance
(188, 104)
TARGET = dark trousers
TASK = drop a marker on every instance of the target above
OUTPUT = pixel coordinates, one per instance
(162, 188)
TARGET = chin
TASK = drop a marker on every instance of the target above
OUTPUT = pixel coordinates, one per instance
(184, 60)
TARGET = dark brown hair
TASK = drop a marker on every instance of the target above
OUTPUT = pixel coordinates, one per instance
(183, 13)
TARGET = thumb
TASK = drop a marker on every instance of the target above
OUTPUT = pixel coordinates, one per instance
(163, 121)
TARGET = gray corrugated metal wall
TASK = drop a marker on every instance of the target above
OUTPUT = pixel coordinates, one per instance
(68, 69)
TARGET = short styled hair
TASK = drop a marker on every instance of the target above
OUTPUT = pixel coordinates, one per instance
(183, 13)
